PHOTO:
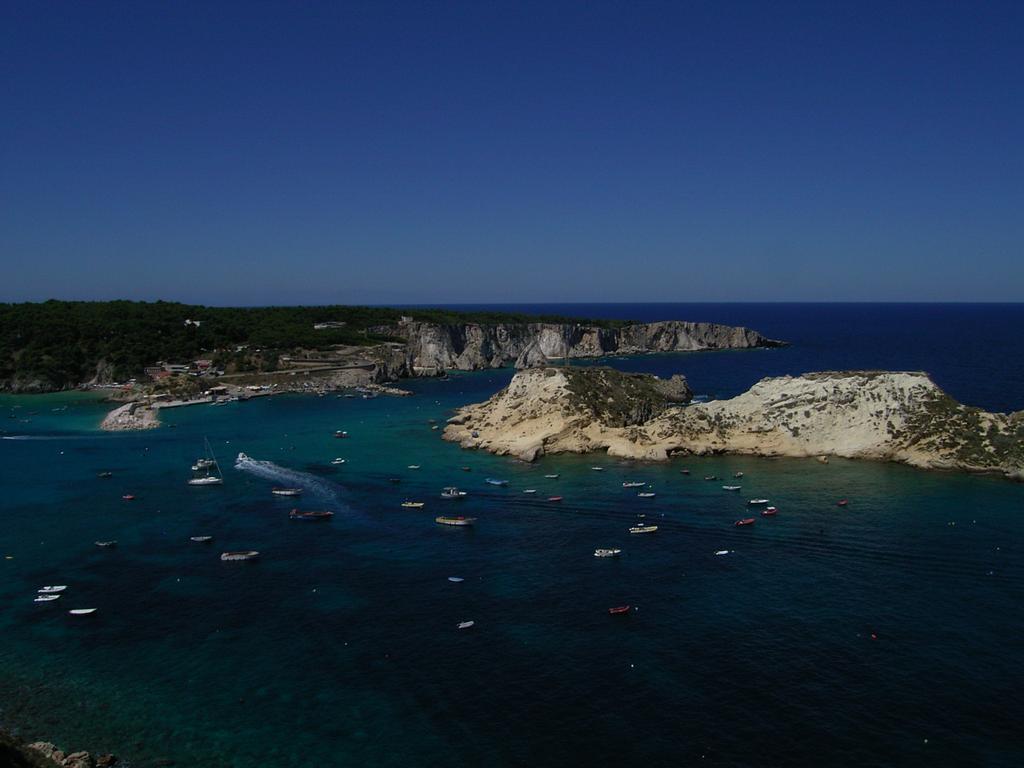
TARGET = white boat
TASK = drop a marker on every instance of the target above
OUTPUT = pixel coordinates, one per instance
(731, 487)
(81, 611)
(757, 502)
(738, 475)
(607, 552)
(598, 469)
(530, 490)
(45, 598)
(633, 485)
(412, 504)
(200, 539)
(206, 480)
(495, 481)
(414, 466)
(243, 555)
(338, 461)
(722, 552)
(552, 477)
(643, 529)
(286, 491)
(105, 544)
(456, 579)
(456, 521)
(451, 492)
(647, 495)
(466, 624)
(214, 477)
(51, 590)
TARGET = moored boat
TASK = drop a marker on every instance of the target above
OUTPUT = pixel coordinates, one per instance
(82, 611)
(296, 514)
(554, 498)
(721, 552)
(842, 503)
(412, 504)
(495, 481)
(684, 471)
(200, 539)
(451, 492)
(598, 469)
(552, 476)
(340, 434)
(337, 461)
(250, 554)
(731, 487)
(607, 552)
(206, 480)
(769, 512)
(738, 475)
(744, 521)
(466, 624)
(52, 589)
(105, 544)
(104, 474)
(619, 610)
(414, 466)
(129, 497)
(45, 598)
(286, 491)
(643, 529)
(456, 521)
(530, 490)
(757, 502)
(646, 495)
(633, 484)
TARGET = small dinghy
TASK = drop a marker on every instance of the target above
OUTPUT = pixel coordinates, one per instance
(250, 554)
(466, 624)
(466, 469)
(769, 512)
(684, 471)
(731, 487)
(643, 529)
(633, 485)
(314, 515)
(451, 492)
(738, 475)
(128, 497)
(607, 552)
(340, 434)
(598, 469)
(337, 461)
(619, 610)
(554, 498)
(744, 521)
(530, 490)
(456, 521)
(757, 502)
(842, 503)
(46, 598)
(456, 579)
(81, 611)
(104, 474)
(646, 495)
(200, 539)
(414, 466)
(710, 477)
(721, 552)
(412, 504)
(552, 477)
(495, 481)
(105, 544)
(51, 590)
(286, 491)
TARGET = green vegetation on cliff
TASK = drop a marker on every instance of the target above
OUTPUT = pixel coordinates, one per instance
(59, 344)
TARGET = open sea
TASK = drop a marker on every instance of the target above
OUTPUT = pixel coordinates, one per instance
(885, 633)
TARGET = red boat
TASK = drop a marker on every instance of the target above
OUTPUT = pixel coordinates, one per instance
(745, 521)
(128, 497)
(554, 498)
(842, 503)
(769, 512)
(619, 610)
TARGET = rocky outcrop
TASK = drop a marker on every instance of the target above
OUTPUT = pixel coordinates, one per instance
(893, 416)
(72, 760)
(431, 349)
(130, 416)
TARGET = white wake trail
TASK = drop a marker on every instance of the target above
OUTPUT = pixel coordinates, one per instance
(291, 478)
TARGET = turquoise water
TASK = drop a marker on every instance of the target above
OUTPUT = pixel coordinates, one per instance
(340, 646)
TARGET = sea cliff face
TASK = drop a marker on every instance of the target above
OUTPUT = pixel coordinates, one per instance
(430, 348)
(892, 416)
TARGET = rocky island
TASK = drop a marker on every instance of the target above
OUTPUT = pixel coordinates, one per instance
(892, 416)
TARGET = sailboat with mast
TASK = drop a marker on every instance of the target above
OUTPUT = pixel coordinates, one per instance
(213, 475)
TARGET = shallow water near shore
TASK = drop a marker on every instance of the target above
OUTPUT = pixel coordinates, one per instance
(882, 633)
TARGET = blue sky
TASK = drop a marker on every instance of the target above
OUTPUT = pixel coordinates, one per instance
(379, 152)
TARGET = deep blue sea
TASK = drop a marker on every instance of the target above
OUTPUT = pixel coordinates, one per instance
(884, 633)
